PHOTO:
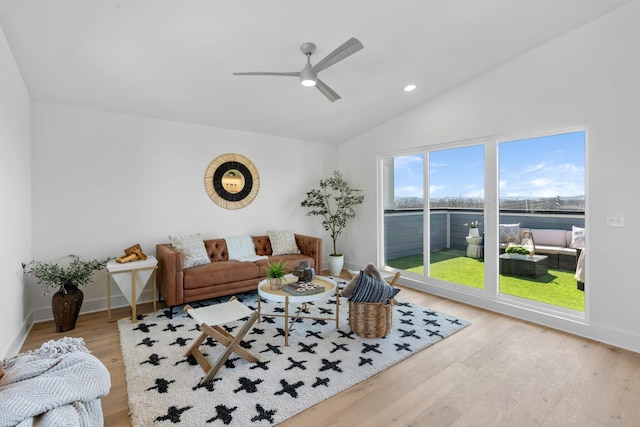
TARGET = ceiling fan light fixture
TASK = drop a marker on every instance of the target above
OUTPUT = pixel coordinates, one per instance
(307, 77)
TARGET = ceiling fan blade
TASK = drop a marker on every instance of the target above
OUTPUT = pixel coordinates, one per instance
(347, 49)
(327, 91)
(268, 73)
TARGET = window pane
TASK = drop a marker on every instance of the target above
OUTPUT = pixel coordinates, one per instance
(404, 219)
(542, 192)
(456, 200)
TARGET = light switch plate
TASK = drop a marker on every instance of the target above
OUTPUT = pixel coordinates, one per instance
(615, 220)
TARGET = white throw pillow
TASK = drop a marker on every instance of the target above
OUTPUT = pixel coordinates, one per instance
(192, 247)
(283, 242)
(577, 237)
(240, 247)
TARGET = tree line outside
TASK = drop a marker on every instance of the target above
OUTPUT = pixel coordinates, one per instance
(516, 203)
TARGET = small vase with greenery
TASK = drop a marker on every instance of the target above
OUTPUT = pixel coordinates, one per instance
(275, 273)
(67, 300)
(334, 202)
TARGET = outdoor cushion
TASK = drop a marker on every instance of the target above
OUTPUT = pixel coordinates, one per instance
(577, 237)
(509, 231)
(549, 237)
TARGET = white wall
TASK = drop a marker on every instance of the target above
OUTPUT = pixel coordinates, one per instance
(103, 181)
(587, 76)
(15, 193)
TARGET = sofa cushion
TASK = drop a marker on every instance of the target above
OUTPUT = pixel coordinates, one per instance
(509, 231)
(550, 237)
(240, 248)
(217, 273)
(283, 242)
(577, 237)
(192, 247)
(568, 251)
(546, 249)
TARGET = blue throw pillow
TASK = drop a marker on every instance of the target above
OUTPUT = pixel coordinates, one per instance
(368, 289)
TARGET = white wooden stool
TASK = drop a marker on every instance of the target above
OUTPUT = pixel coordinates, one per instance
(209, 318)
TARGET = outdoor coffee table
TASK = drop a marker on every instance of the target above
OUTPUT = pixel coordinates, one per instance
(265, 291)
(523, 265)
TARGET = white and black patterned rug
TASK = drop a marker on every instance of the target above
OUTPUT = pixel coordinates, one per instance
(320, 361)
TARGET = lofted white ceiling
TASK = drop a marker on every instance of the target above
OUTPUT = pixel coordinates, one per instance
(173, 59)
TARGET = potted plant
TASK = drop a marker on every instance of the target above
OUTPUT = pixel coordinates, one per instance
(67, 300)
(334, 202)
(275, 273)
(517, 250)
(473, 228)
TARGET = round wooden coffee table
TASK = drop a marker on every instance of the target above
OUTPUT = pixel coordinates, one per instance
(330, 289)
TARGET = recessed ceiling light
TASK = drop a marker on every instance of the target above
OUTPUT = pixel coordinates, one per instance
(409, 88)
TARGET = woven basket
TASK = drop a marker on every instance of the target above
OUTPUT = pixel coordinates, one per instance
(370, 319)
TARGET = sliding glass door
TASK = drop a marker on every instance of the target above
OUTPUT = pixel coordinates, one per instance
(542, 204)
(537, 193)
(453, 248)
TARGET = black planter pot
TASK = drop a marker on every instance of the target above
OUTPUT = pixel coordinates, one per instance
(66, 305)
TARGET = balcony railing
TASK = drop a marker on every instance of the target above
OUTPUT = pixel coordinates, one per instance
(404, 229)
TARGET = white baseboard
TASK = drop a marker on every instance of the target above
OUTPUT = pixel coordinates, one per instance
(554, 319)
(44, 314)
(90, 306)
(559, 321)
(16, 344)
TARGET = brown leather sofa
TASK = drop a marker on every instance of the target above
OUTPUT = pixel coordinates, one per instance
(222, 277)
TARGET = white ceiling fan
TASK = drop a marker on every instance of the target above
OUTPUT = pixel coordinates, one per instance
(309, 74)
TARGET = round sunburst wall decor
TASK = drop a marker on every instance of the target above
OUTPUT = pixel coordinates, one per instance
(232, 181)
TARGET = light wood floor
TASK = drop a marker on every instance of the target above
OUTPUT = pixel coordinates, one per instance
(497, 372)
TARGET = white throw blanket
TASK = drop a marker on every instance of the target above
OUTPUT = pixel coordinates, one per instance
(57, 385)
(241, 248)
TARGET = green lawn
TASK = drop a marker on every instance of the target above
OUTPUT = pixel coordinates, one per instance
(556, 287)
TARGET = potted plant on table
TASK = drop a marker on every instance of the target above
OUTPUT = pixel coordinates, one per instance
(275, 273)
(473, 228)
(334, 202)
(67, 300)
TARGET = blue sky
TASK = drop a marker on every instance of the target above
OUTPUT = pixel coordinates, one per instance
(538, 167)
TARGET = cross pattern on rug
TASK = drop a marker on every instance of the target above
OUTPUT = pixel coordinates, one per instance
(320, 361)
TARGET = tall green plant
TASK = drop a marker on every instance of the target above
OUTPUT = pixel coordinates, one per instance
(334, 202)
